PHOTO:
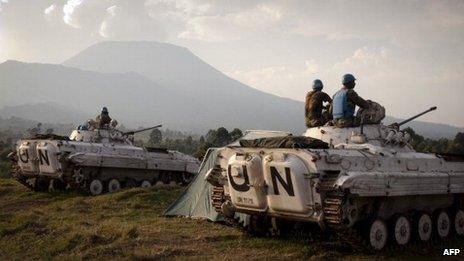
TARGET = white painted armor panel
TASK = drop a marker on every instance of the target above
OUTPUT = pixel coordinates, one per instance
(289, 188)
(48, 154)
(245, 176)
(27, 157)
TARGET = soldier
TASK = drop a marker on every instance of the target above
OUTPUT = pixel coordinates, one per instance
(314, 106)
(103, 120)
(345, 102)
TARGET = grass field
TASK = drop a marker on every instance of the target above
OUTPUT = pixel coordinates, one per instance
(129, 225)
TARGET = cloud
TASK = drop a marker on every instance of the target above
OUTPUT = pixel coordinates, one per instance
(402, 24)
(364, 59)
(2, 2)
(52, 13)
(210, 29)
(215, 21)
(68, 10)
(115, 19)
(181, 8)
(282, 80)
(260, 16)
(50, 9)
(112, 11)
(211, 24)
(104, 29)
(311, 66)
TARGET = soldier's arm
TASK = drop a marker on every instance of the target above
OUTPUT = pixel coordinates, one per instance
(326, 98)
(357, 100)
(307, 104)
(330, 108)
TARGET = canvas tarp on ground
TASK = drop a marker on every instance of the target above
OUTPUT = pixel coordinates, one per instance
(195, 202)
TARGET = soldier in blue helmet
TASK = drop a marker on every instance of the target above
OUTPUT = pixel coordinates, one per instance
(314, 106)
(103, 120)
(345, 102)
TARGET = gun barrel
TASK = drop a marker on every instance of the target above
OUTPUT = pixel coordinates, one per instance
(137, 131)
(418, 115)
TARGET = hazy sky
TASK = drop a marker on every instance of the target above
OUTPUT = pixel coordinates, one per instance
(407, 55)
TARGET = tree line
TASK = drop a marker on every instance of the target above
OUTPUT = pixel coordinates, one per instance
(442, 145)
(196, 147)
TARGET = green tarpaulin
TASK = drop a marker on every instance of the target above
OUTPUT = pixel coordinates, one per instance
(289, 142)
(195, 202)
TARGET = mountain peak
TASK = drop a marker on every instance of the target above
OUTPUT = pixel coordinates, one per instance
(12, 63)
(155, 60)
(138, 44)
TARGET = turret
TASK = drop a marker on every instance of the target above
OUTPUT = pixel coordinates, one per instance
(106, 135)
(99, 136)
(365, 135)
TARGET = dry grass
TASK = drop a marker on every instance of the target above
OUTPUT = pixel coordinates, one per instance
(129, 225)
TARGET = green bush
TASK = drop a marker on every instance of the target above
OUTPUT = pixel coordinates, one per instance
(454, 146)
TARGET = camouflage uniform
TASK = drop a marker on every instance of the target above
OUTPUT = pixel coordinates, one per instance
(314, 106)
(103, 120)
(353, 99)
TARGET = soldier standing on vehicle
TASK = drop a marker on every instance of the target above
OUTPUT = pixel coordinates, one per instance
(345, 102)
(314, 106)
(103, 120)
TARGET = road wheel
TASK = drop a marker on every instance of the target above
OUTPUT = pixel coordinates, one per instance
(95, 187)
(402, 230)
(424, 227)
(114, 185)
(443, 224)
(378, 234)
(459, 222)
(145, 184)
(78, 175)
(159, 184)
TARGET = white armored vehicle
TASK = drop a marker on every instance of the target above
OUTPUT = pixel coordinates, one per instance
(97, 161)
(356, 182)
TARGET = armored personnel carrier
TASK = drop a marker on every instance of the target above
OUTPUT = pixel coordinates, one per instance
(365, 184)
(97, 161)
